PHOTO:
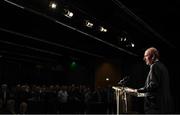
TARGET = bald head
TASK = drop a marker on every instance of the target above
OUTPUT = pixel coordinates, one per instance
(150, 55)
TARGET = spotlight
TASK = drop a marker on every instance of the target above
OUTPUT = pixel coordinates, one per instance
(53, 5)
(132, 45)
(123, 39)
(89, 24)
(102, 29)
(68, 13)
(107, 79)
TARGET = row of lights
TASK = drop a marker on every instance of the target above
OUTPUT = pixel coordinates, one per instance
(67, 13)
(89, 24)
(70, 14)
(128, 43)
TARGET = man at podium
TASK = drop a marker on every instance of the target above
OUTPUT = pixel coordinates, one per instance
(158, 98)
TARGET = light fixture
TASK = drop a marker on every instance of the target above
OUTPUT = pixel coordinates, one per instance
(68, 13)
(53, 5)
(102, 29)
(107, 79)
(132, 45)
(123, 39)
(89, 24)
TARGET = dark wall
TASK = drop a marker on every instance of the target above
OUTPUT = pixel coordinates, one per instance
(172, 61)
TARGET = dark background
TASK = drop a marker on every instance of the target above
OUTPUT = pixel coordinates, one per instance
(38, 44)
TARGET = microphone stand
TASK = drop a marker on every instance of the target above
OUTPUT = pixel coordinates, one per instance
(124, 97)
(124, 94)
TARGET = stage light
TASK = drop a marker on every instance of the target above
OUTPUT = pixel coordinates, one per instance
(89, 24)
(102, 29)
(132, 45)
(53, 5)
(123, 39)
(68, 13)
(107, 79)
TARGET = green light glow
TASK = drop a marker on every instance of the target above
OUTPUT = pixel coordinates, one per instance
(73, 65)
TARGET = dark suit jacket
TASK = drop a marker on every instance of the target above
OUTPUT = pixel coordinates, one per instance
(158, 99)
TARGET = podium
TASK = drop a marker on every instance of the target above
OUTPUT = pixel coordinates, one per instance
(122, 94)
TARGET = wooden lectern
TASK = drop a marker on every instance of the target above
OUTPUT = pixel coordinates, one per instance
(122, 94)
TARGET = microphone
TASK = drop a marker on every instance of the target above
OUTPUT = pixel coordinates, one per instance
(123, 81)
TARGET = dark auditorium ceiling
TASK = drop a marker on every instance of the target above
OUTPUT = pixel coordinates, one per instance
(30, 29)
